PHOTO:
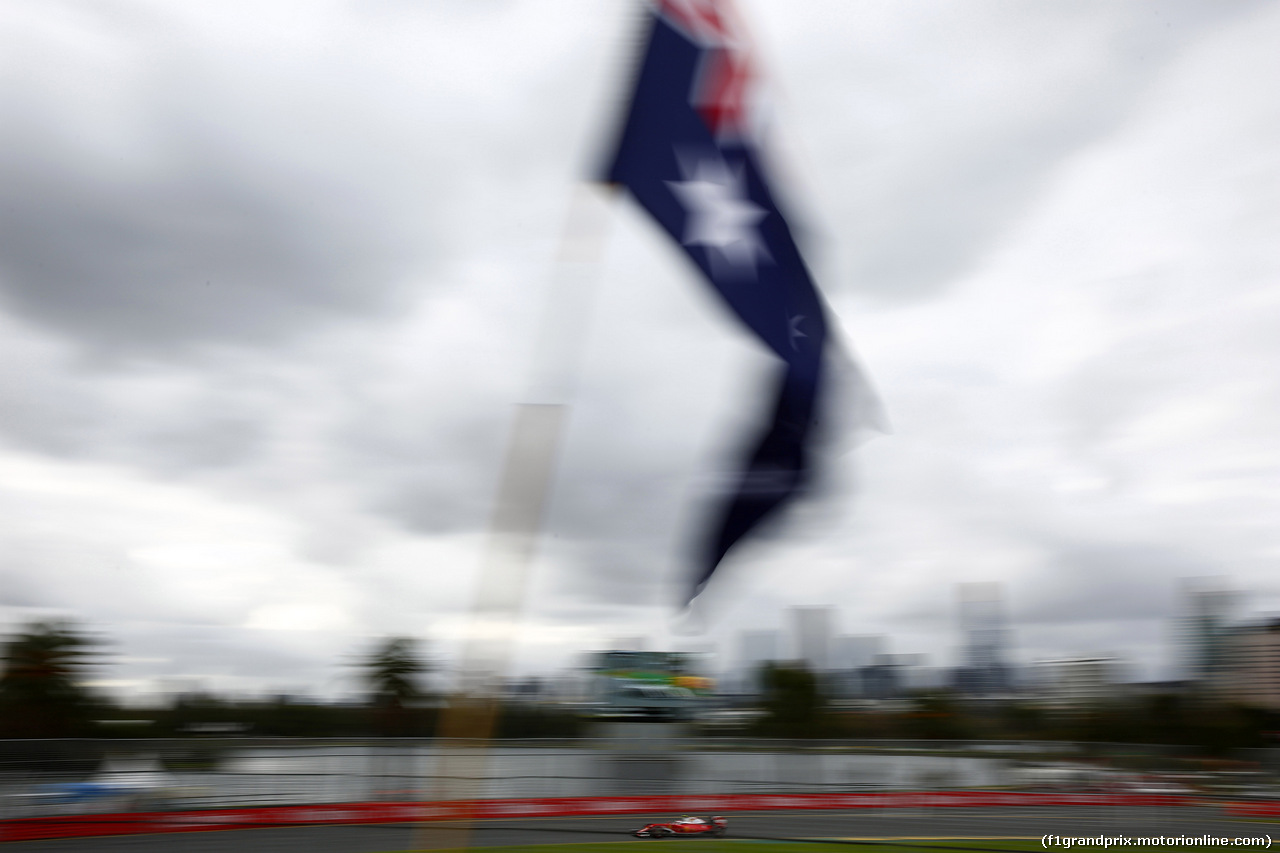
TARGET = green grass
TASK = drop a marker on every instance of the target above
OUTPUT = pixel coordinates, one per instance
(744, 845)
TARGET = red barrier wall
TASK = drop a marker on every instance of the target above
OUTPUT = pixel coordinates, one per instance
(65, 826)
(1256, 809)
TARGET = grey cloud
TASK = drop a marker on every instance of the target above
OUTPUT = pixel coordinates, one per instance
(174, 187)
(18, 589)
(216, 441)
(211, 255)
(942, 189)
(1089, 582)
(167, 420)
(214, 652)
(41, 412)
(427, 474)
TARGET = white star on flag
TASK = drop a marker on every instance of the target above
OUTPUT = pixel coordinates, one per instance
(720, 216)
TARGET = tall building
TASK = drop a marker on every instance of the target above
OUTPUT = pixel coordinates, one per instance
(985, 669)
(1250, 674)
(1078, 684)
(854, 652)
(852, 658)
(813, 633)
(1207, 609)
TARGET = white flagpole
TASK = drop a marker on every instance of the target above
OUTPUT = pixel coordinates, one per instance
(524, 489)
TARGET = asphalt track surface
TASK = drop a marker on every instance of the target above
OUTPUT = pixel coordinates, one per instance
(859, 828)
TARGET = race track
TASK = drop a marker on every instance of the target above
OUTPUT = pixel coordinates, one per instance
(860, 827)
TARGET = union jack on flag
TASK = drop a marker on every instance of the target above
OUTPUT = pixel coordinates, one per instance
(721, 83)
(687, 154)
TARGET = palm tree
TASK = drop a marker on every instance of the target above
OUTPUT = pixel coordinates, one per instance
(391, 671)
(41, 686)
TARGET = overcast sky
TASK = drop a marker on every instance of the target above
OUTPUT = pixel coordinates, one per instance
(271, 274)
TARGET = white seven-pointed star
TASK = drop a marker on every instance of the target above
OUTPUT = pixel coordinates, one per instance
(721, 217)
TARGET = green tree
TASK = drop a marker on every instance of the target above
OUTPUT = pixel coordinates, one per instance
(793, 702)
(391, 672)
(936, 717)
(42, 693)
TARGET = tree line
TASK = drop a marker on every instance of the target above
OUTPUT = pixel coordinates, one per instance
(46, 667)
(44, 670)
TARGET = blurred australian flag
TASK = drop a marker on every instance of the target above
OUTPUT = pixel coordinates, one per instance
(687, 153)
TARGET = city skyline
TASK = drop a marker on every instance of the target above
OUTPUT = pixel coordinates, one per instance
(807, 628)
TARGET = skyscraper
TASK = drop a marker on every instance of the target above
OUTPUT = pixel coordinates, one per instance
(853, 661)
(985, 636)
(1250, 675)
(813, 632)
(1206, 617)
(854, 652)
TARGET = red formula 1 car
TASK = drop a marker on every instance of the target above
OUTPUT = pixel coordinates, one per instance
(714, 826)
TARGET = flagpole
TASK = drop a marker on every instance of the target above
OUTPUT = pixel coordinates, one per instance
(467, 722)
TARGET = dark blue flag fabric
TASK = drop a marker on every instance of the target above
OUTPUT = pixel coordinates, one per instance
(687, 155)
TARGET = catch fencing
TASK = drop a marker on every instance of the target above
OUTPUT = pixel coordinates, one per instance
(85, 776)
(47, 778)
